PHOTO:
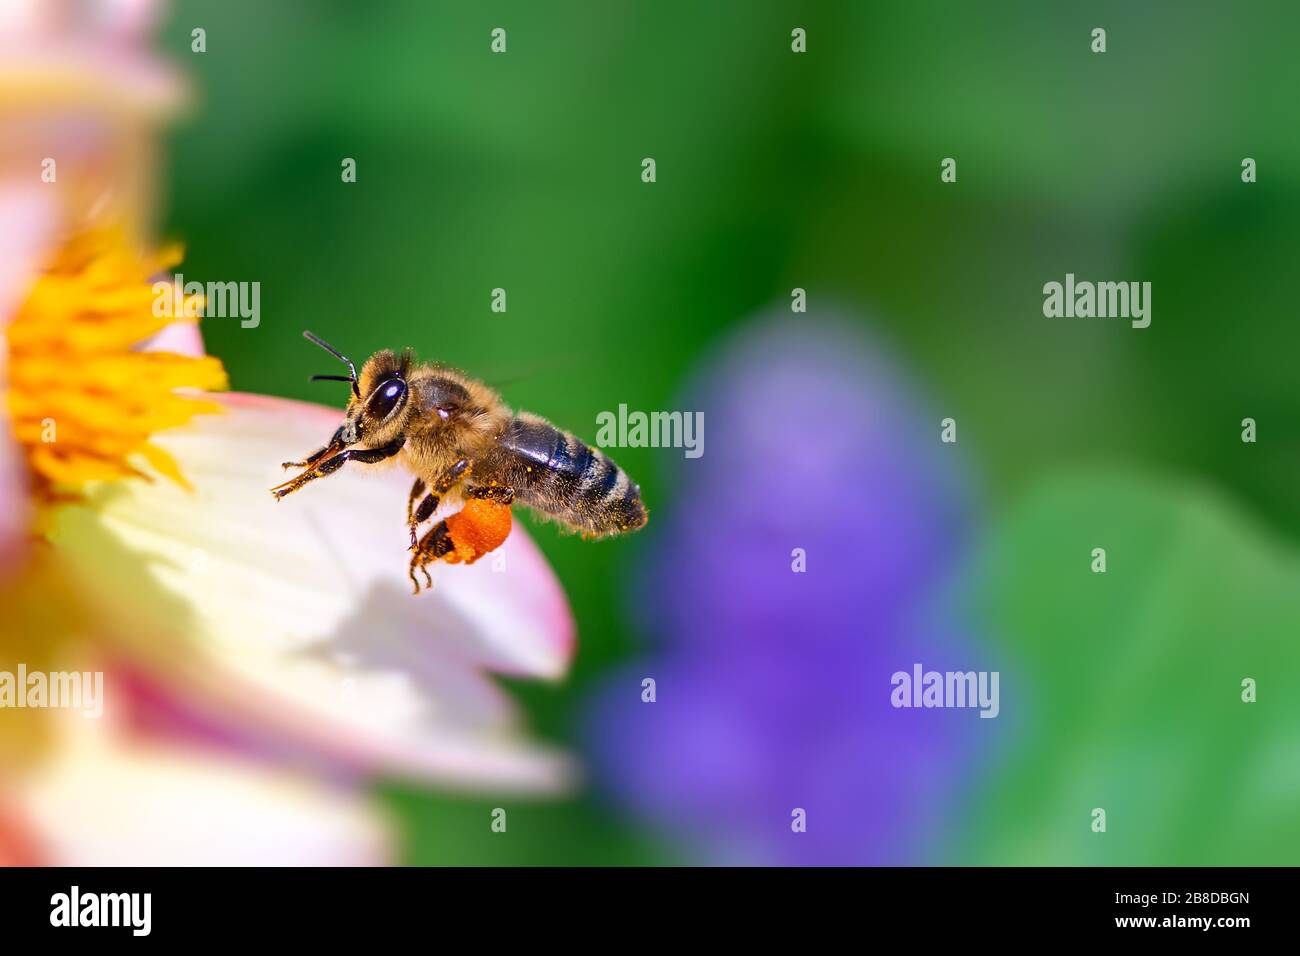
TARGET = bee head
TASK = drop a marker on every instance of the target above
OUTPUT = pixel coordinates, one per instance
(378, 408)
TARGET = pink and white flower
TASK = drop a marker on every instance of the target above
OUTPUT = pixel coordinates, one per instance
(263, 659)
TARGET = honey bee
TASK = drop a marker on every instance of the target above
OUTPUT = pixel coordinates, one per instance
(464, 444)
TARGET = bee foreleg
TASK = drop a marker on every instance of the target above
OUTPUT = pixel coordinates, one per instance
(367, 456)
(335, 443)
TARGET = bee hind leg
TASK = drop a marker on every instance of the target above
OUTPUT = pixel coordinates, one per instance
(498, 493)
(434, 545)
(415, 582)
(480, 527)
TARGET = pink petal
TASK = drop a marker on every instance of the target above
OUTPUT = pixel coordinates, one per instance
(96, 50)
(183, 338)
(27, 222)
(36, 20)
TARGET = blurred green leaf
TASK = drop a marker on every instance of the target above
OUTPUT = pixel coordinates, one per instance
(1016, 95)
(446, 831)
(1125, 687)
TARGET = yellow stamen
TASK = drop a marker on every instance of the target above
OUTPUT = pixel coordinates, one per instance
(82, 400)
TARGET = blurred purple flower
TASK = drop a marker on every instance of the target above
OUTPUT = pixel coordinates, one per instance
(772, 686)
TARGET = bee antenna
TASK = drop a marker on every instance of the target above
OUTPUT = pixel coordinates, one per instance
(317, 340)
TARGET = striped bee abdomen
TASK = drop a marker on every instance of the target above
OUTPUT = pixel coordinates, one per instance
(560, 476)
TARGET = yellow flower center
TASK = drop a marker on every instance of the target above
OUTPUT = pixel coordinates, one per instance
(84, 401)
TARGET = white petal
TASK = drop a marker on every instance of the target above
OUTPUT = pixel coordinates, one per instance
(304, 605)
(101, 801)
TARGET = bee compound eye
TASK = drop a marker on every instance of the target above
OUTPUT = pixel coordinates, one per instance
(386, 398)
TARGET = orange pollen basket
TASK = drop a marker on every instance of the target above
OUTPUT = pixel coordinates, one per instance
(479, 527)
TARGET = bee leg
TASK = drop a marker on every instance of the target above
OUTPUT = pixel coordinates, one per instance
(480, 527)
(367, 456)
(434, 545)
(335, 443)
(498, 493)
(417, 489)
(320, 471)
(429, 505)
(416, 566)
(422, 514)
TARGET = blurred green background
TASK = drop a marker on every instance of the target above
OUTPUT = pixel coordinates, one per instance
(777, 170)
